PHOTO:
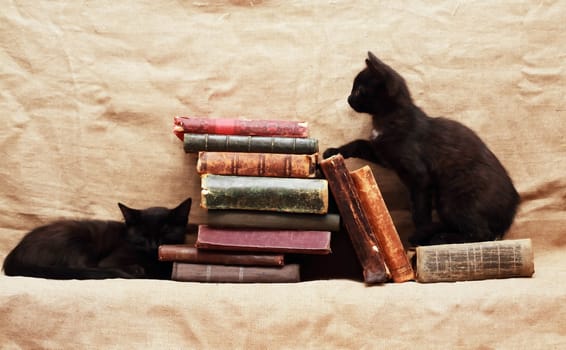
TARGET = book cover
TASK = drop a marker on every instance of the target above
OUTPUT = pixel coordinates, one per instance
(257, 164)
(264, 194)
(354, 219)
(190, 254)
(475, 261)
(382, 225)
(187, 272)
(194, 143)
(277, 241)
(269, 220)
(231, 126)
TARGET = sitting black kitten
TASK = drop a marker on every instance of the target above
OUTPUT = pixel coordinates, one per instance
(95, 249)
(436, 158)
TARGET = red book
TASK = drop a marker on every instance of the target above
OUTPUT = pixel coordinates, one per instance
(277, 241)
(228, 126)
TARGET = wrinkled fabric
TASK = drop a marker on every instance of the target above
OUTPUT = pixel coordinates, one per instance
(88, 92)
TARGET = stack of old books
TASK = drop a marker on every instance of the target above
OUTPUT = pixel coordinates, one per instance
(263, 198)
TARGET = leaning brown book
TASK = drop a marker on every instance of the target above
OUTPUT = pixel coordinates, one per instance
(382, 225)
(190, 254)
(475, 261)
(354, 219)
(234, 274)
(257, 164)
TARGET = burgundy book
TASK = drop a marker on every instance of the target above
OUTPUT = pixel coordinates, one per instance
(278, 241)
(234, 274)
(190, 254)
(230, 126)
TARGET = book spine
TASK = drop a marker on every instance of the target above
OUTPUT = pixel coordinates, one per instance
(257, 164)
(475, 261)
(227, 126)
(277, 241)
(189, 254)
(264, 194)
(257, 144)
(354, 219)
(382, 225)
(269, 220)
(234, 274)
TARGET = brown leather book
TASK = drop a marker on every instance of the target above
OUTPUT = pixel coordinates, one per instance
(382, 225)
(257, 164)
(475, 261)
(234, 274)
(190, 254)
(277, 241)
(354, 219)
(289, 195)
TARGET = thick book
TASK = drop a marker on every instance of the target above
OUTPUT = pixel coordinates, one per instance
(276, 241)
(187, 272)
(190, 254)
(194, 143)
(257, 164)
(382, 225)
(475, 261)
(264, 193)
(247, 127)
(354, 219)
(269, 220)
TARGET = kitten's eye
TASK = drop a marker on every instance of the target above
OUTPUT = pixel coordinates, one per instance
(359, 91)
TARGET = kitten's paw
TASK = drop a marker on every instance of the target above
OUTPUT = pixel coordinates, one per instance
(330, 152)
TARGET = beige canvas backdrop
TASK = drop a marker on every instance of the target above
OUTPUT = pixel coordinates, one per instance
(88, 91)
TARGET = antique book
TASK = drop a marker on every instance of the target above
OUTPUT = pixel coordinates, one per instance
(194, 143)
(258, 240)
(269, 220)
(187, 272)
(382, 225)
(190, 254)
(354, 219)
(475, 261)
(257, 164)
(264, 193)
(247, 127)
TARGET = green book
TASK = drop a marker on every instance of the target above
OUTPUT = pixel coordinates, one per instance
(258, 144)
(291, 195)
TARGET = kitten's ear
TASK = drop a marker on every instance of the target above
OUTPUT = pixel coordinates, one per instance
(130, 215)
(392, 80)
(181, 213)
(377, 66)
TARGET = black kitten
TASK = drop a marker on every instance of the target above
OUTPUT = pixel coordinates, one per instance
(94, 249)
(436, 158)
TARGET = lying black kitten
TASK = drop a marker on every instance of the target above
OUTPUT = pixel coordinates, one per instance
(95, 249)
(436, 158)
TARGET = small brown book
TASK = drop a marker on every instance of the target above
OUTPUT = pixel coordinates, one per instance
(190, 254)
(257, 164)
(475, 261)
(382, 225)
(234, 274)
(278, 241)
(354, 219)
